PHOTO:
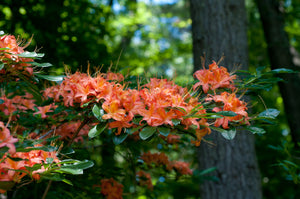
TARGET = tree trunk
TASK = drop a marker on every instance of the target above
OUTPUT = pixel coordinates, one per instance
(219, 28)
(280, 56)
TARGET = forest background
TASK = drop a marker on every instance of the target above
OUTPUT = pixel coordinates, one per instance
(153, 38)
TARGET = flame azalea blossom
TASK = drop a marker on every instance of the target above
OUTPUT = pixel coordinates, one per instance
(6, 139)
(182, 167)
(11, 170)
(213, 78)
(160, 159)
(21, 103)
(67, 131)
(111, 189)
(231, 103)
(45, 109)
(11, 49)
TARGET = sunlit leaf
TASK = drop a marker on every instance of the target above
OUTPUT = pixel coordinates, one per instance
(147, 132)
(30, 54)
(256, 130)
(269, 113)
(51, 77)
(118, 139)
(227, 134)
(85, 164)
(164, 131)
(70, 171)
(98, 112)
(282, 70)
(97, 130)
(67, 182)
(226, 113)
(42, 65)
(176, 121)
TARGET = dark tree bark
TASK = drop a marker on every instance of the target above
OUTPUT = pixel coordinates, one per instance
(219, 27)
(280, 56)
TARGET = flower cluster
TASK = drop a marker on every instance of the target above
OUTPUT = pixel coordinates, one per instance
(111, 189)
(14, 171)
(9, 54)
(158, 102)
(13, 103)
(230, 103)
(213, 78)
(161, 159)
(6, 139)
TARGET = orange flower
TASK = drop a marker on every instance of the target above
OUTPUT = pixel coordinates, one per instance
(158, 159)
(45, 109)
(8, 167)
(231, 103)
(182, 167)
(6, 139)
(113, 110)
(111, 189)
(12, 51)
(213, 78)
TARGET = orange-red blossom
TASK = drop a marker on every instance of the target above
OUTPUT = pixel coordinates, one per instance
(10, 50)
(230, 103)
(161, 159)
(213, 78)
(11, 170)
(159, 102)
(111, 189)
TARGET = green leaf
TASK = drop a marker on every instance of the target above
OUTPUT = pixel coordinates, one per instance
(15, 159)
(49, 160)
(282, 70)
(1, 66)
(209, 170)
(30, 54)
(118, 139)
(256, 130)
(226, 113)
(51, 77)
(34, 167)
(176, 121)
(227, 134)
(42, 65)
(164, 131)
(269, 113)
(85, 164)
(137, 120)
(96, 130)
(70, 171)
(98, 112)
(67, 182)
(3, 150)
(147, 132)
(67, 150)
(131, 131)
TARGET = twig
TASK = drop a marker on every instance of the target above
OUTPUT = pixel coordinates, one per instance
(84, 122)
(47, 189)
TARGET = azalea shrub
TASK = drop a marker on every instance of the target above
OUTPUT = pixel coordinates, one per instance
(121, 134)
